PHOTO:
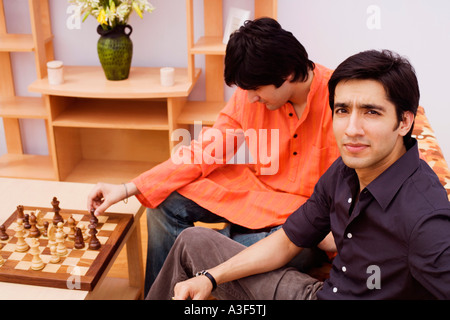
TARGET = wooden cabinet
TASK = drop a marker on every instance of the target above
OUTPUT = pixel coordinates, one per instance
(13, 108)
(103, 130)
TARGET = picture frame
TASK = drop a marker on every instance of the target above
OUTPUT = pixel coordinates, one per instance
(236, 18)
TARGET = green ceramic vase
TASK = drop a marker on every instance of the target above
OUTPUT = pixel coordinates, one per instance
(115, 50)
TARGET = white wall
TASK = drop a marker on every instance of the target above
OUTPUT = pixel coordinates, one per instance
(331, 30)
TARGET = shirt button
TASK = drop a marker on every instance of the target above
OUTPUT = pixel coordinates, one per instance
(295, 153)
(335, 290)
(349, 200)
(295, 135)
(291, 114)
(349, 235)
(344, 269)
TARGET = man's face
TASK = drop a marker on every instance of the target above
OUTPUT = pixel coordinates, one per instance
(366, 127)
(271, 96)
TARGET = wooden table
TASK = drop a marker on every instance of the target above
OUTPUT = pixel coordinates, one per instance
(36, 193)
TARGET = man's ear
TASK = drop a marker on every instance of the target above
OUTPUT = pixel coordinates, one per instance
(406, 123)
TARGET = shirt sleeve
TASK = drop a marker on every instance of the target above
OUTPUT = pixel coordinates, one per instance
(213, 147)
(310, 223)
(429, 254)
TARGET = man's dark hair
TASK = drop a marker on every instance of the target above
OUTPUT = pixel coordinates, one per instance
(262, 53)
(394, 72)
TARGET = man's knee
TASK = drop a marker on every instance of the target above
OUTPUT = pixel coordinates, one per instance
(196, 235)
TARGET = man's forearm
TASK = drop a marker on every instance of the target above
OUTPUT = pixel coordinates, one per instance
(266, 255)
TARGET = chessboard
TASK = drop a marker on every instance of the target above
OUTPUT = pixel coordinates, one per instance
(76, 268)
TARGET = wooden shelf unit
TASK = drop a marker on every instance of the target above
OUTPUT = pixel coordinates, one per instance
(15, 163)
(212, 47)
(111, 131)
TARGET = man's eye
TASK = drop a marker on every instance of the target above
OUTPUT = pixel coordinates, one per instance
(340, 111)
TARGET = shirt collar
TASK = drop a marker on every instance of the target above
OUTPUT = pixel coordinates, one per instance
(387, 184)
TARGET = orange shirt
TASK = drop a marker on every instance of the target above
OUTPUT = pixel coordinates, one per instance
(263, 193)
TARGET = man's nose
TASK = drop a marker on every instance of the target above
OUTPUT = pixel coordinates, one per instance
(354, 126)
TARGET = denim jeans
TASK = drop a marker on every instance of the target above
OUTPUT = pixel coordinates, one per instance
(178, 213)
(201, 249)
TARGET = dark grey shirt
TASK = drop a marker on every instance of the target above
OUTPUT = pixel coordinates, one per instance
(393, 242)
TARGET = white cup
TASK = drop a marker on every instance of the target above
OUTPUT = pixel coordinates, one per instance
(55, 72)
(167, 76)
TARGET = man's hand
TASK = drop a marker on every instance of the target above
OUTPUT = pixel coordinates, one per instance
(104, 195)
(197, 288)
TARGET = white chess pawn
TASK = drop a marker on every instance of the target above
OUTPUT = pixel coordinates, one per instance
(36, 262)
(55, 257)
(61, 249)
(21, 245)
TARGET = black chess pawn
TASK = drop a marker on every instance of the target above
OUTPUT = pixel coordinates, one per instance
(3, 235)
(79, 241)
(94, 243)
(34, 231)
(26, 221)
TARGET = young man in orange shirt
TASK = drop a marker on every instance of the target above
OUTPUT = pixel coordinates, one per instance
(281, 110)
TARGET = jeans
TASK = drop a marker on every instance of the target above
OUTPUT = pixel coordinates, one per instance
(200, 249)
(178, 213)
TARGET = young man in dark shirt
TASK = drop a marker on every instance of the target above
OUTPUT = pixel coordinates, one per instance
(389, 215)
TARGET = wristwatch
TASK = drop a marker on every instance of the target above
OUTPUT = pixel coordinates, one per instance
(209, 276)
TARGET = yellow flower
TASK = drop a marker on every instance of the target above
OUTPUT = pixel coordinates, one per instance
(102, 17)
(137, 9)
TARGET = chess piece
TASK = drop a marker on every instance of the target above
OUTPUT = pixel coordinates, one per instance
(84, 231)
(55, 257)
(72, 231)
(79, 241)
(26, 221)
(94, 219)
(40, 220)
(61, 249)
(51, 234)
(45, 229)
(21, 245)
(3, 235)
(57, 217)
(20, 214)
(94, 243)
(60, 228)
(34, 231)
(36, 262)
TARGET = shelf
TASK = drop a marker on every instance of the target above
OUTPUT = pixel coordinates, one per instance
(110, 171)
(209, 46)
(18, 42)
(204, 111)
(90, 82)
(107, 114)
(27, 167)
(22, 108)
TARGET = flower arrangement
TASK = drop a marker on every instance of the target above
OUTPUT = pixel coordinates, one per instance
(110, 13)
